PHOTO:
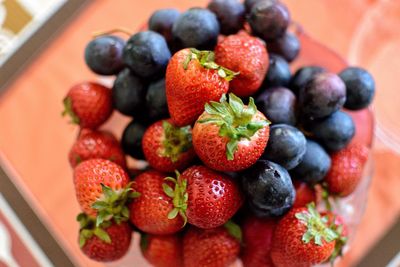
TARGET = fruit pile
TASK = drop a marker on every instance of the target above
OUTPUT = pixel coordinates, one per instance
(243, 157)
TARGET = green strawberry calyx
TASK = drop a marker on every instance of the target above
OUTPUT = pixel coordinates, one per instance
(88, 229)
(113, 204)
(69, 111)
(177, 140)
(206, 59)
(234, 119)
(341, 241)
(234, 230)
(179, 196)
(317, 226)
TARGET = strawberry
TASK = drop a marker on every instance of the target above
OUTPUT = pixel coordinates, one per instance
(88, 104)
(347, 169)
(108, 242)
(257, 242)
(304, 194)
(96, 144)
(192, 80)
(103, 190)
(302, 238)
(203, 197)
(149, 212)
(162, 250)
(248, 56)
(216, 247)
(168, 148)
(230, 136)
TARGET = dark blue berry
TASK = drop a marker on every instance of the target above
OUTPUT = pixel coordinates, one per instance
(103, 55)
(286, 146)
(288, 46)
(156, 101)
(360, 87)
(147, 54)
(303, 76)
(131, 140)
(248, 4)
(278, 72)
(197, 28)
(161, 21)
(278, 105)
(230, 14)
(268, 188)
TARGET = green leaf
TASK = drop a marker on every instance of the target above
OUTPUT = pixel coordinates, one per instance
(187, 61)
(221, 73)
(170, 179)
(134, 194)
(307, 237)
(82, 241)
(98, 205)
(103, 235)
(236, 104)
(144, 241)
(234, 230)
(86, 233)
(168, 190)
(107, 191)
(184, 217)
(231, 148)
(125, 212)
(173, 213)
(104, 215)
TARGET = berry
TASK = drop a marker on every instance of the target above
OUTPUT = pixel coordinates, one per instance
(230, 14)
(250, 3)
(156, 101)
(286, 146)
(287, 46)
(147, 54)
(131, 140)
(268, 188)
(304, 194)
(360, 86)
(88, 104)
(278, 105)
(103, 55)
(162, 250)
(338, 224)
(302, 76)
(278, 72)
(161, 21)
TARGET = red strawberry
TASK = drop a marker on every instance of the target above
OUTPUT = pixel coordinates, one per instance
(192, 80)
(162, 250)
(302, 238)
(347, 169)
(257, 239)
(88, 104)
(103, 189)
(248, 56)
(150, 211)
(96, 144)
(230, 136)
(107, 242)
(216, 247)
(168, 148)
(304, 194)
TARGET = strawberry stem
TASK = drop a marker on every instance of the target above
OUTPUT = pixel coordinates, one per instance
(179, 197)
(177, 140)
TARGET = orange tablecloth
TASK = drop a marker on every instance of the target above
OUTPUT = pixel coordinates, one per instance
(34, 139)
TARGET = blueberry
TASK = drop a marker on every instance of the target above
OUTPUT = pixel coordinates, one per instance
(197, 28)
(360, 87)
(278, 105)
(286, 146)
(302, 76)
(230, 14)
(161, 21)
(288, 46)
(314, 166)
(278, 72)
(333, 132)
(103, 55)
(268, 188)
(324, 94)
(131, 140)
(250, 3)
(269, 19)
(156, 101)
(147, 54)
(129, 92)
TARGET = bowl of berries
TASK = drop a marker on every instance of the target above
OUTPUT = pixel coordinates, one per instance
(250, 142)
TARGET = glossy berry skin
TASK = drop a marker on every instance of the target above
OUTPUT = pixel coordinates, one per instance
(322, 95)
(147, 54)
(286, 146)
(304, 194)
(96, 144)
(103, 55)
(88, 177)
(288, 46)
(278, 72)
(189, 90)
(360, 86)
(347, 169)
(250, 3)
(247, 55)
(257, 242)
(268, 188)
(162, 250)
(302, 76)
(209, 248)
(196, 28)
(269, 19)
(156, 101)
(149, 212)
(131, 140)
(230, 15)
(161, 21)
(315, 164)
(90, 104)
(334, 132)
(278, 105)
(98, 250)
